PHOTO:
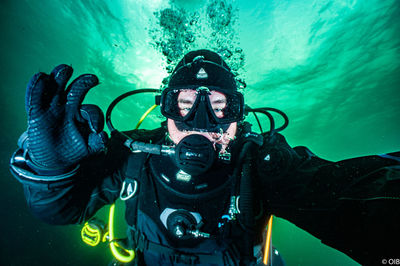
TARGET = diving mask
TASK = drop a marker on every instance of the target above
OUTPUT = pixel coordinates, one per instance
(201, 108)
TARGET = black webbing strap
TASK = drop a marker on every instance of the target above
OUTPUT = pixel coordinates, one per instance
(133, 181)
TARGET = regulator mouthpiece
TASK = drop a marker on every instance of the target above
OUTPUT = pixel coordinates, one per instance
(195, 154)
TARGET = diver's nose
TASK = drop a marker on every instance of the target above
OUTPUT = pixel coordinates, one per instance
(201, 119)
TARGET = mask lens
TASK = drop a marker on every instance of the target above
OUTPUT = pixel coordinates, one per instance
(218, 103)
(177, 104)
(185, 101)
(233, 110)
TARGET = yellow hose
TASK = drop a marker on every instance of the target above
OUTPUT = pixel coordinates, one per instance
(116, 249)
(145, 115)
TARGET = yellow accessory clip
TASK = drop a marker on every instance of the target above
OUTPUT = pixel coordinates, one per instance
(94, 232)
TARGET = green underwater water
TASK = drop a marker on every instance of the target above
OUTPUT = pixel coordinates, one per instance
(332, 66)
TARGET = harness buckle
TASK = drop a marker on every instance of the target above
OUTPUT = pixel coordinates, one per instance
(189, 259)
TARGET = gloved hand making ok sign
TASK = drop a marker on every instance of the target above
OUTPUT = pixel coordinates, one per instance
(62, 131)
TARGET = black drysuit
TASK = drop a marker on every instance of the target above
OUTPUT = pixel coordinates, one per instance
(352, 205)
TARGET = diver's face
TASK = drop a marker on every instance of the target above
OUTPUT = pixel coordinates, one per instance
(186, 99)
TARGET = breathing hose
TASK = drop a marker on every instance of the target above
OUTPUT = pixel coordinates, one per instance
(120, 98)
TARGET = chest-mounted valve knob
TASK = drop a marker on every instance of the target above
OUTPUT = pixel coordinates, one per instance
(183, 224)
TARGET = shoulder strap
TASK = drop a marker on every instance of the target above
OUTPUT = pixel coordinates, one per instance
(131, 186)
(133, 181)
(134, 166)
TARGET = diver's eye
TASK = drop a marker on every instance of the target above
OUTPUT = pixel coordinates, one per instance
(219, 112)
(184, 110)
(185, 105)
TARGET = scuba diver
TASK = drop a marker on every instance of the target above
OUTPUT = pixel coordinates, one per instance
(200, 189)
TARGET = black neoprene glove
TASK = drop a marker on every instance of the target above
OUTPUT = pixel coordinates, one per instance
(61, 131)
(276, 158)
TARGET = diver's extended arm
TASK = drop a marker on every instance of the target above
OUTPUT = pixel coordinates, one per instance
(75, 196)
(352, 205)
